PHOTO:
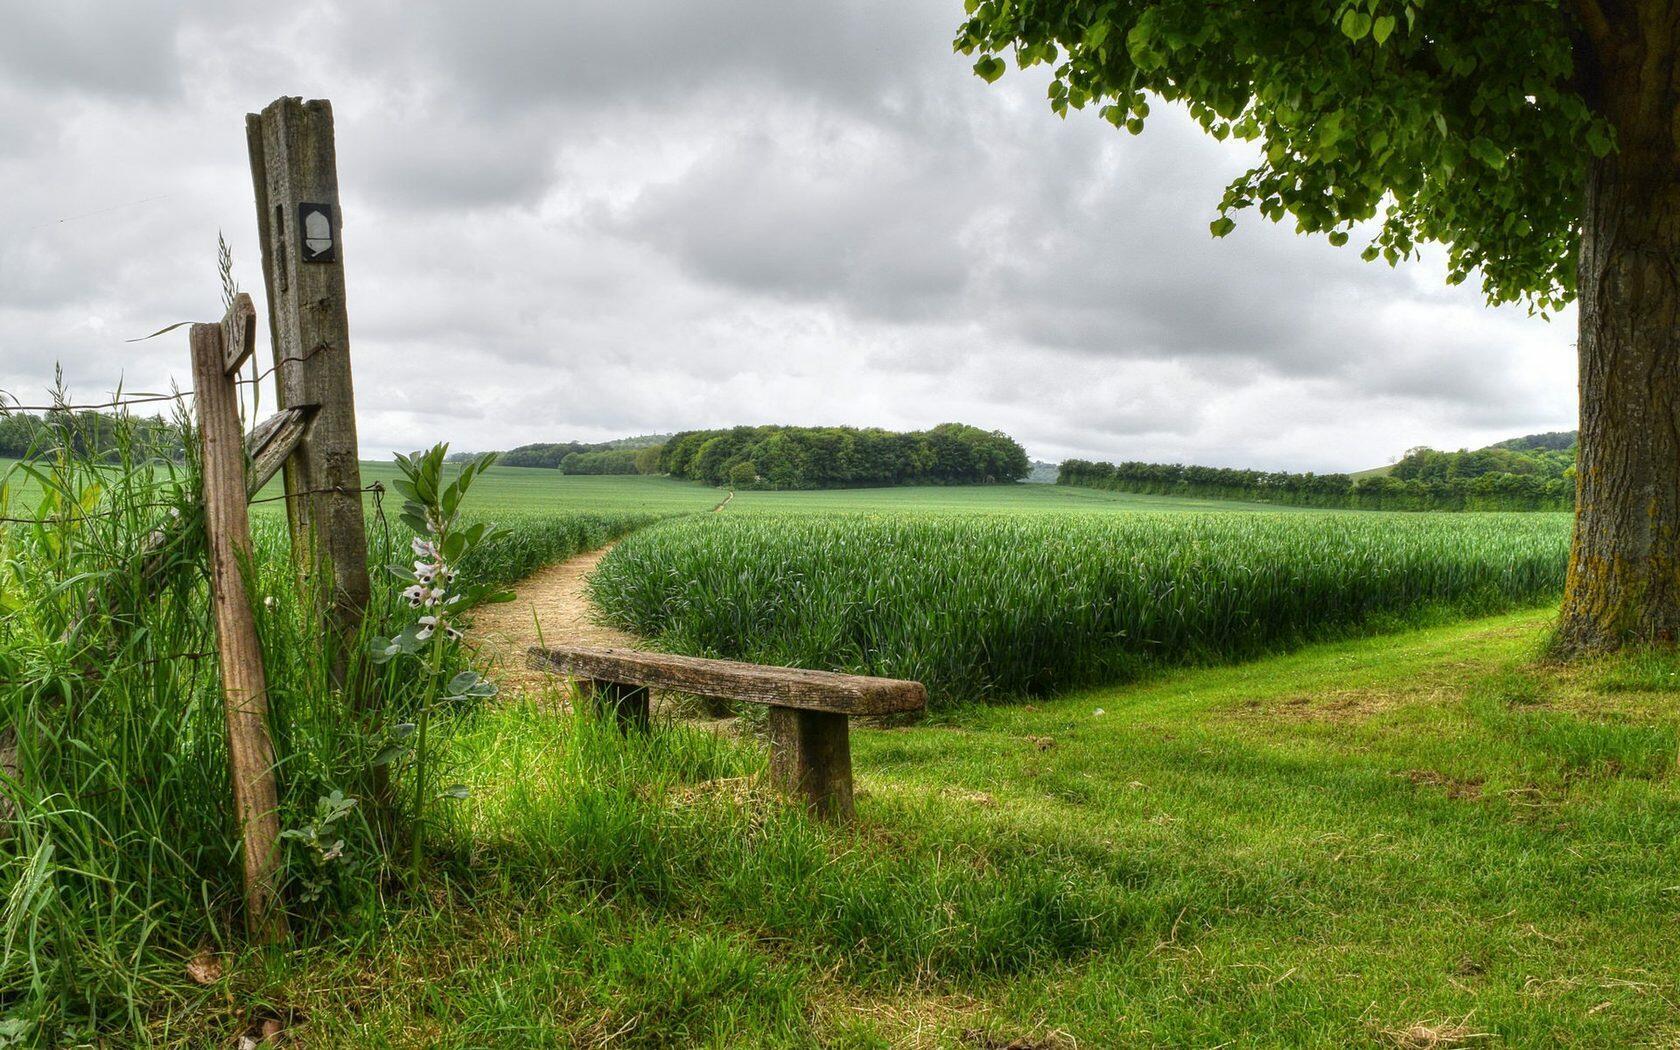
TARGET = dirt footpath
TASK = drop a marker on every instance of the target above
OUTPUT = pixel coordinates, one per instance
(552, 598)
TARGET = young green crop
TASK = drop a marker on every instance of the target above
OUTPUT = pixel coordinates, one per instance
(1004, 607)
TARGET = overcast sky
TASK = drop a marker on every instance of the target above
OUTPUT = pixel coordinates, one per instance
(606, 217)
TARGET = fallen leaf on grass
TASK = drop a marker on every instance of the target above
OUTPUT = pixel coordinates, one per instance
(205, 967)
(269, 1033)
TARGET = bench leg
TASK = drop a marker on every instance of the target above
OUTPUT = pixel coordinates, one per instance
(627, 703)
(811, 759)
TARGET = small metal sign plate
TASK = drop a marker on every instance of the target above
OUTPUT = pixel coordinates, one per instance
(317, 233)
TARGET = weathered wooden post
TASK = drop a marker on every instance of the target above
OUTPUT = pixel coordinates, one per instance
(294, 170)
(811, 759)
(227, 530)
(630, 705)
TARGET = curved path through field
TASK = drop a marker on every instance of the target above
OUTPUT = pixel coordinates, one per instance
(554, 598)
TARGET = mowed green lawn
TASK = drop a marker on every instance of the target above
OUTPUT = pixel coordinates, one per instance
(1425, 840)
(529, 490)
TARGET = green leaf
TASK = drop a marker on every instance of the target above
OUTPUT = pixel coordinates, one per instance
(453, 546)
(1338, 237)
(1381, 28)
(1355, 24)
(1486, 152)
(1222, 225)
(388, 754)
(989, 68)
(1600, 139)
(455, 791)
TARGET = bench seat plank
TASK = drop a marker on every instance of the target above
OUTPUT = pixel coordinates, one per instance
(794, 687)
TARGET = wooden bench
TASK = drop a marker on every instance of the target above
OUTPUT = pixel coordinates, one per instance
(810, 749)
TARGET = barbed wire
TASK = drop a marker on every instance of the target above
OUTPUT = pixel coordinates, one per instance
(376, 488)
(146, 399)
(79, 515)
(116, 402)
(293, 359)
(97, 673)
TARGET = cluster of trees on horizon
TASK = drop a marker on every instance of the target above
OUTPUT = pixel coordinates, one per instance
(553, 455)
(788, 457)
(87, 432)
(783, 457)
(1531, 473)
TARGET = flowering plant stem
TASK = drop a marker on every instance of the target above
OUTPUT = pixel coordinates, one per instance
(434, 674)
(431, 509)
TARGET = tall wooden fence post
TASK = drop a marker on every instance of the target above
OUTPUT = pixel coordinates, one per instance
(294, 170)
(227, 531)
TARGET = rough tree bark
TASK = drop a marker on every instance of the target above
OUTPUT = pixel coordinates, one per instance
(1624, 566)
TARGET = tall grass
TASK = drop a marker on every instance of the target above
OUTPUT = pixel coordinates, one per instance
(121, 859)
(675, 821)
(526, 542)
(1005, 607)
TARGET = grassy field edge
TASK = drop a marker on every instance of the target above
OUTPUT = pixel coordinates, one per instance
(1423, 836)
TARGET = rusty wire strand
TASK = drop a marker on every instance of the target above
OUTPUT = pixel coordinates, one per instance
(146, 399)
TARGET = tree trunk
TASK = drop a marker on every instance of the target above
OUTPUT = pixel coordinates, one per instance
(1624, 565)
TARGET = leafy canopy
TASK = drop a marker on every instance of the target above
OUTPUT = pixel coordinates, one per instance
(1457, 120)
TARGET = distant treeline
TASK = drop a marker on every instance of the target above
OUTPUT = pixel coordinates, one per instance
(554, 455)
(99, 433)
(602, 461)
(777, 457)
(1501, 477)
(1551, 441)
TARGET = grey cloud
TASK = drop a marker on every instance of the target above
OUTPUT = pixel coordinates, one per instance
(651, 52)
(877, 232)
(442, 160)
(122, 51)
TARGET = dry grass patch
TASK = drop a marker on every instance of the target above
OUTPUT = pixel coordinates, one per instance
(1436, 1035)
